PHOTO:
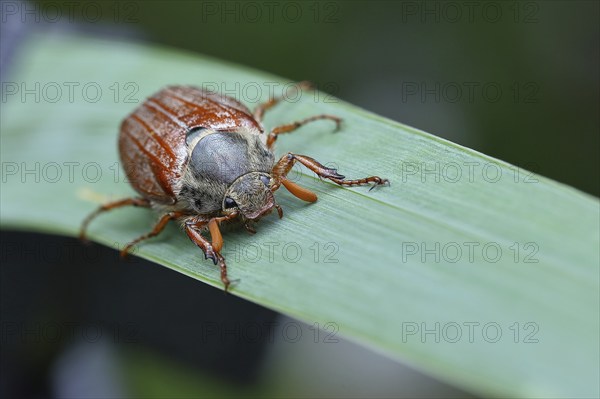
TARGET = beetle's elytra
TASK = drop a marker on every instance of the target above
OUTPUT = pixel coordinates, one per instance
(202, 159)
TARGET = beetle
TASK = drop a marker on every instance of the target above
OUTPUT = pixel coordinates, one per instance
(202, 158)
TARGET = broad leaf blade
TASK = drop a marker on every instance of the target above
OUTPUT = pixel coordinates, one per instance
(466, 267)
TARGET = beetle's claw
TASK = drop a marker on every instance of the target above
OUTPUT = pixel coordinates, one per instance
(330, 173)
(305, 85)
(83, 234)
(279, 210)
(381, 182)
(249, 228)
(333, 174)
(226, 283)
(338, 124)
(211, 256)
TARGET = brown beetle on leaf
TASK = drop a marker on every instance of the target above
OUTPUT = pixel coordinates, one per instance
(202, 159)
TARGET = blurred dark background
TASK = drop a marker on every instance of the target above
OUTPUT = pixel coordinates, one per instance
(515, 80)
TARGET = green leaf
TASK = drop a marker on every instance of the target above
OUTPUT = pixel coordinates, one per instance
(466, 267)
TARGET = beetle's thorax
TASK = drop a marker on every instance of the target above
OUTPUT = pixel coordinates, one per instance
(220, 164)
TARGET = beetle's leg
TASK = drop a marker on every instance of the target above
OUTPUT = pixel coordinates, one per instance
(290, 127)
(260, 110)
(284, 165)
(158, 228)
(194, 227)
(193, 232)
(107, 207)
(215, 233)
(249, 228)
(303, 193)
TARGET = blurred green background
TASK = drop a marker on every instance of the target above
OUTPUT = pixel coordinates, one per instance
(516, 80)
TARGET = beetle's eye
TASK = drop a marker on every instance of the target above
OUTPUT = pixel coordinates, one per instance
(265, 180)
(229, 203)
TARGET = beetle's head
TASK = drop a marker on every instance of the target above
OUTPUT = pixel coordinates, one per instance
(251, 196)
